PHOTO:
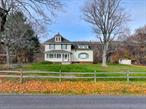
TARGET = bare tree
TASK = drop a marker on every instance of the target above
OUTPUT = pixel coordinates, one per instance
(125, 34)
(17, 34)
(37, 10)
(106, 17)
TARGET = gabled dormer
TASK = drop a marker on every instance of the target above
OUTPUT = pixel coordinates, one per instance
(58, 42)
(58, 38)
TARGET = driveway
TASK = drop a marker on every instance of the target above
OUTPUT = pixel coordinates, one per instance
(71, 102)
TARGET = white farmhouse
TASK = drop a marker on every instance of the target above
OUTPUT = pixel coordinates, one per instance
(60, 50)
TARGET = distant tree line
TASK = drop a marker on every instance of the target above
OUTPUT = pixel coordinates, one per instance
(132, 47)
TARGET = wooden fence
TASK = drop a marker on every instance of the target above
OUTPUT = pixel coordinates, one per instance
(72, 75)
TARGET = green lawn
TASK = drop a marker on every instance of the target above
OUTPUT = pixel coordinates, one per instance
(85, 67)
(112, 70)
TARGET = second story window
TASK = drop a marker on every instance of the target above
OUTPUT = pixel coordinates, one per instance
(51, 46)
(64, 46)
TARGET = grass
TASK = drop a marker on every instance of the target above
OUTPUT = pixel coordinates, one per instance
(85, 68)
(111, 70)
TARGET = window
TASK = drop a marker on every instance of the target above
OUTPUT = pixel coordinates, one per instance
(51, 46)
(83, 56)
(83, 46)
(58, 55)
(57, 39)
(53, 56)
(64, 46)
(50, 55)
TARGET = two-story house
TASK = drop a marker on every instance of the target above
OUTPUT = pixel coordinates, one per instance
(60, 50)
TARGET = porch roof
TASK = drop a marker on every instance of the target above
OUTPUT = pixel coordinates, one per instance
(57, 51)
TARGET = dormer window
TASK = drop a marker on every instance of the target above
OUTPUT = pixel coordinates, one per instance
(57, 39)
(83, 46)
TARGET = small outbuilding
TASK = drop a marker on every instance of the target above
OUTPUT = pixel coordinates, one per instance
(125, 61)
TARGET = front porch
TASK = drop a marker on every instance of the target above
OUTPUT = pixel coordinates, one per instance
(59, 56)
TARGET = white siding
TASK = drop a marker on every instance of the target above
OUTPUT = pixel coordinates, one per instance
(57, 47)
(75, 56)
(47, 48)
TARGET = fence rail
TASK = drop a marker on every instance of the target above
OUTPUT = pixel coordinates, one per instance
(71, 75)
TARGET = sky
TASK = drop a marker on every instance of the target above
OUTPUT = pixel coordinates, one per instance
(70, 24)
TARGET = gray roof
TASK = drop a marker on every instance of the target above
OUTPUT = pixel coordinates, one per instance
(82, 42)
(52, 40)
(89, 43)
(74, 44)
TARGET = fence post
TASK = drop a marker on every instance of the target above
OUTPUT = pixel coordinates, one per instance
(21, 76)
(95, 76)
(60, 79)
(128, 76)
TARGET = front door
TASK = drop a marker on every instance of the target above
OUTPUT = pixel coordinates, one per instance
(65, 57)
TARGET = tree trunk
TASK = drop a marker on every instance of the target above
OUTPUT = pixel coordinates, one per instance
(104, 55)
(7, 56)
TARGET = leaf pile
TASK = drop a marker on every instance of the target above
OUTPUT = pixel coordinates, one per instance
(73, 88)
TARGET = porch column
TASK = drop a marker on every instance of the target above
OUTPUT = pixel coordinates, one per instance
(62, 56)
(56, 56)
(68, 56)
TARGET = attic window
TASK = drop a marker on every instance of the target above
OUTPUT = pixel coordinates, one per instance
(57, 39)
